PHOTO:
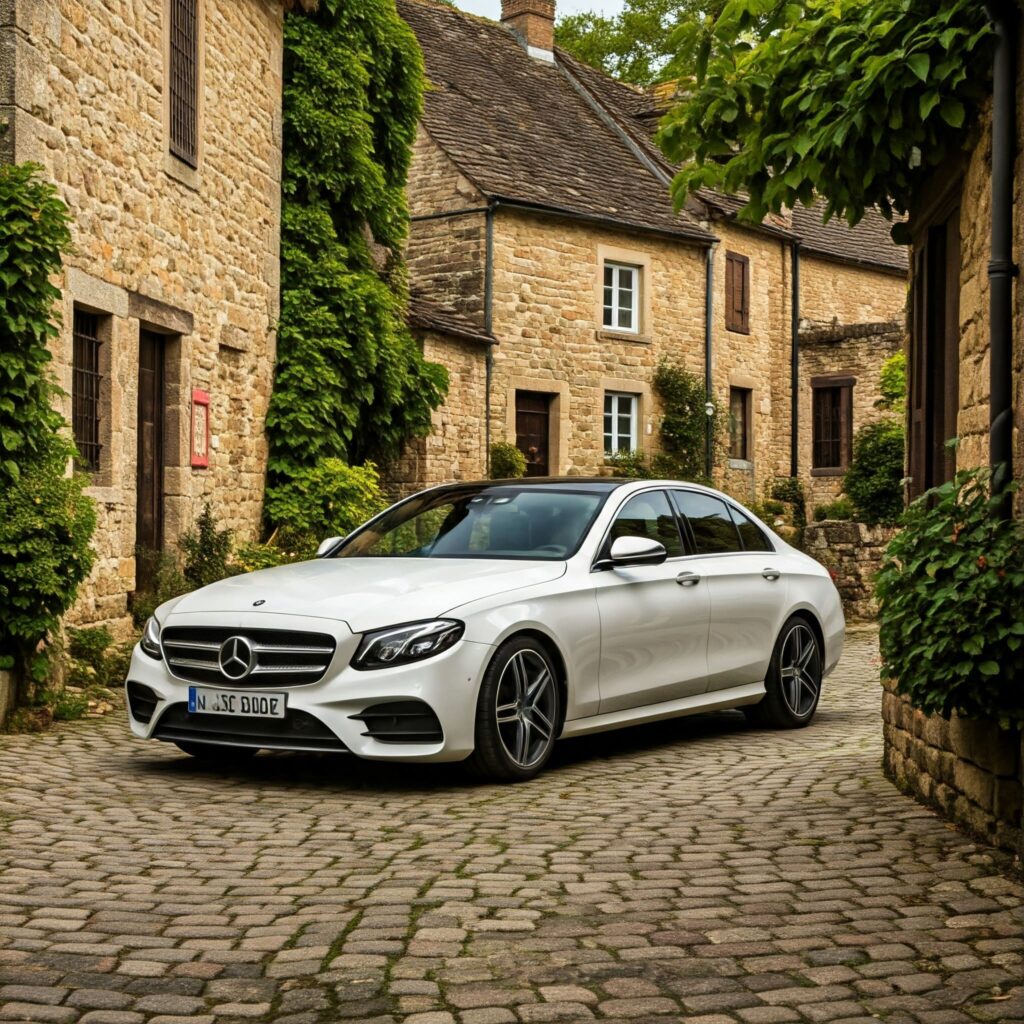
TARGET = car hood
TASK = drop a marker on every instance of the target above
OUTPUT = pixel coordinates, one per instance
(366, 592)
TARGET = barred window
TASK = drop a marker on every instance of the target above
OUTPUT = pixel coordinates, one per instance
(85, 390)
(832, 424)
(183, 77)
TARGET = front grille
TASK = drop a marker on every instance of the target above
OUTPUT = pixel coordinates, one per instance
(284, 657)
(401, 721)
(142, 701)
(296, 731)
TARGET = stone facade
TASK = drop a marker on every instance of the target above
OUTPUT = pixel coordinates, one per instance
(854, 352)
(853, 554)
(968, 769)
(188, 253)
(832, 291)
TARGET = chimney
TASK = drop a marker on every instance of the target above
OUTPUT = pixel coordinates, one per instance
(533, 21)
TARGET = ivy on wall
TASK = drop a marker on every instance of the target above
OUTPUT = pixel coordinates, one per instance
(854, 101)
(351, 382)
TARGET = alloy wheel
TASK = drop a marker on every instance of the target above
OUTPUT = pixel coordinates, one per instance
(800, 670)
(526, 705)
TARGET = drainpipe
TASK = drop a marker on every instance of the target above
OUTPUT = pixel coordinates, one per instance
(488, 325)
(709, 295)
(1001, 268)
(794, 362)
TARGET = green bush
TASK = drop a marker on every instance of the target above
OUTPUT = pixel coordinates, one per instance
(89, 645)
(874, 480)
(628, 464)
(951, 604)
(790, 490)
(684, 423)
(207, 551)
(46, 522)
(168, 582)
(326, 499)
(893, 382)
(507, 461)
(841, 508)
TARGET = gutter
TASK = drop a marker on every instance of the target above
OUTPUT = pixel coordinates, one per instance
(794, 362)
(709, 331)
(1001, 268)
(488, 326)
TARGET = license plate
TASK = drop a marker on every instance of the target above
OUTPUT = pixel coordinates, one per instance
(205, 700)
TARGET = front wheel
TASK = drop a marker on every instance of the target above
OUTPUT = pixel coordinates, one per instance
(517, 714)
(793, 684)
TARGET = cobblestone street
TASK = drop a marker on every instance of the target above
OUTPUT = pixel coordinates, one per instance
(698, 870)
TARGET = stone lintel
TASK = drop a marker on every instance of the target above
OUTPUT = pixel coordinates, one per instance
(161, 316)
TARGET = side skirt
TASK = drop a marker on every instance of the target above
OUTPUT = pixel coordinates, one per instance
(734, 697)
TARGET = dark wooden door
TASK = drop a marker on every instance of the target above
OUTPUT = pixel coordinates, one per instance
(533, 416)
(149, 518)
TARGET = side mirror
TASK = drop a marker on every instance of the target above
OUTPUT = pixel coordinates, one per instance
(637, 551)
(327, 545)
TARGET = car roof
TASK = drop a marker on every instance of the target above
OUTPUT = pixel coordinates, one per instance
(583, 483)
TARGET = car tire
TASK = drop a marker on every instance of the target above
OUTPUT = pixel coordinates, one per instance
(518, 713)
(213, 752)
(793, 684)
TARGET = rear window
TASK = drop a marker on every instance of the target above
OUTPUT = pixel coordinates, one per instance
(713, 530)
(751, 534)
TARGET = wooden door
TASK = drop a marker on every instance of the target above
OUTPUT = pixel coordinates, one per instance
(533, 424)
(149, 516)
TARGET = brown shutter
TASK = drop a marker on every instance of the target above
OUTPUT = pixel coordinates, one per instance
(184, 81)
(737, 293)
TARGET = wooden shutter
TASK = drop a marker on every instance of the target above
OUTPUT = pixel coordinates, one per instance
(184, 81)
(737, 293)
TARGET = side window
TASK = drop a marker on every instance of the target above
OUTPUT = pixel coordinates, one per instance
(750, 533)
(648, 515)
(713, 529)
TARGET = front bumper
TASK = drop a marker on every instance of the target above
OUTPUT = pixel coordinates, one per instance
(322, 716)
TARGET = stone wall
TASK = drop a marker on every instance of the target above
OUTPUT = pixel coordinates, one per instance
(848, 293)
(857, 351)
(853, 553)
(190, 253)
(970, 770)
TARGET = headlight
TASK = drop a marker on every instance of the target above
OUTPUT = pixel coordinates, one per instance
(150, 640)
(398, 645)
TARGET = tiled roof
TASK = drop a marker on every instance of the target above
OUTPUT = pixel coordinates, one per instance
(868, 242)
(520, 129)
(428, 315)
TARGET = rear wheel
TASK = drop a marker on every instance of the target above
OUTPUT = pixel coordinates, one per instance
(215, 753)
(793, 683)
(517, 713)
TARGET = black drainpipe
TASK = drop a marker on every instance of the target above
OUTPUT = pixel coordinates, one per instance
(488, 325)
(794, 363)
(709, 294)
(1001, 268)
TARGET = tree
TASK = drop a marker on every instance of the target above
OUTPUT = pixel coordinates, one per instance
(854, 101)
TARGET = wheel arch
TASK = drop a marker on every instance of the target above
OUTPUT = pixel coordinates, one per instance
(812, 620)
(557, 659)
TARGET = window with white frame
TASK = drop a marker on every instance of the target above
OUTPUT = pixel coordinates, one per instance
(620, 422)
(621, 297)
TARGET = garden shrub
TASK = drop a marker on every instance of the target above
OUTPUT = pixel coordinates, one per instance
(893, 382)
(168, 583)
(841, 508)
(684, 423)
(628, 464)
(89, 645)
(507, 461)
(207, 551)
(951, 604)
(790, 490)
(874, 480)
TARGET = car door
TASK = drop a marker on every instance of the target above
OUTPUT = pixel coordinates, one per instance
(745, 584)
(654, 624)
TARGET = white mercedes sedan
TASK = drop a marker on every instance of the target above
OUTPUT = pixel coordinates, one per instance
(483, 621)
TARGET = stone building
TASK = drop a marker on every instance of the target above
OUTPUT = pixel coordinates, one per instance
(542, 221)
(160, 123)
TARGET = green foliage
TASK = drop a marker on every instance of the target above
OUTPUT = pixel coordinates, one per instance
(893, 383)
(33, 233)
(64, 705)
(856, 101)
(328, 499)
(874, 480)
(684, 423)
(46, 522)
(841, 508)
(507, 461)
(790, 489)
(351, 383)
(168, 582)
(629, 464)
(207, 550)
(252, 557)
(951, 599)
(89, 645)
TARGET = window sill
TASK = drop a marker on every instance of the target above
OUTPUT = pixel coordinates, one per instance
(738, 330)
(637, 339)
(828, 471)
(744, 464)
(181, 172)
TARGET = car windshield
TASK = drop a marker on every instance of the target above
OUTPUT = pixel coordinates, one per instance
(507, 521)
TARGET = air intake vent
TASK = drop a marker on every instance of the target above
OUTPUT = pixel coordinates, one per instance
(280, 657)
(401, 721)
(142, 701)
(298, 730)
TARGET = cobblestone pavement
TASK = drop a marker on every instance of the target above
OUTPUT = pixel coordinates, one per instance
(699, 870)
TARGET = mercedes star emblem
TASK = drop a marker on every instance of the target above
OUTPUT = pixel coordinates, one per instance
(236, 658)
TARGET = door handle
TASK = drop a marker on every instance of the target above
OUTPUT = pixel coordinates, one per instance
(771, 574)
(688, 579)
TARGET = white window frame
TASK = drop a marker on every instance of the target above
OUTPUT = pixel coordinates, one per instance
(613, 438)
(611, 312)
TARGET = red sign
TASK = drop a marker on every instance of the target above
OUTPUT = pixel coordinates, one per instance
(200, 432)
